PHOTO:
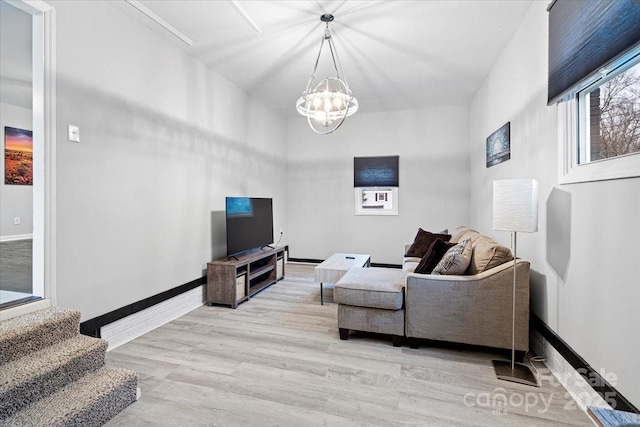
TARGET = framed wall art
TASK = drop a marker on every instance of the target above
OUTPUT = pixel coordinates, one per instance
(18, 156)
(499, 146)
(376, 201)
(376, 181)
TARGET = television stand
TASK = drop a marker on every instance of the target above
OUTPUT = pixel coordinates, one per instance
(267, 246)
(231, 282)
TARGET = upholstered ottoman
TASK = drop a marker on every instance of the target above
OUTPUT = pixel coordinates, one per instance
(371, 300)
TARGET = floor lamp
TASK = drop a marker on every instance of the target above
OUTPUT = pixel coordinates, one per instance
(515, 209)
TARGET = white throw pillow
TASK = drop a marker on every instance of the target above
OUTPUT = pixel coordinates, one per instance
(456, 260)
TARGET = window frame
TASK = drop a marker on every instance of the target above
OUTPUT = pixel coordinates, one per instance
(572, 128)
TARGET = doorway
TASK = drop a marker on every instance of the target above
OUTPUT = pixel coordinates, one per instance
(27, 128)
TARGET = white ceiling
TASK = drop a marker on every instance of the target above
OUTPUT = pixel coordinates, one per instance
(395, 54)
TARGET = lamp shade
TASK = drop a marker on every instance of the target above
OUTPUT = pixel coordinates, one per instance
(515, 205)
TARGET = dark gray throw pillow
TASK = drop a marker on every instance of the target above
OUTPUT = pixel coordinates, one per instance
(422, 242)
(433, 256)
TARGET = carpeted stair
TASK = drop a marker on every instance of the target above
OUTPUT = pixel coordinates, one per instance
(52, 376)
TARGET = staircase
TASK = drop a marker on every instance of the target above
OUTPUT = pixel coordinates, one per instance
(50, 375)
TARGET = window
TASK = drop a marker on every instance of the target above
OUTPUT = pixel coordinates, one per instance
(594, 49)
(610, 117)
(600, 124)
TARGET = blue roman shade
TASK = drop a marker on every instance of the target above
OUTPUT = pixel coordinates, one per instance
(375, 171)
(586, 35)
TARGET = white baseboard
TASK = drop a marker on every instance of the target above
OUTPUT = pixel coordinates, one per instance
(579, 389)
(130, 327)
(16, 237)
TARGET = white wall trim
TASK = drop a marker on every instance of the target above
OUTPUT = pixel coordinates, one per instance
(164, 24)
(16, 237)
(44, 124)
(44, 131)
(124, 330)
(50, 155)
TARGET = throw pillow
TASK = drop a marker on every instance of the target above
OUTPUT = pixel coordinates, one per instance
(423, 241)
(433, 256)
(486, 254)
(456, 260)
(457, 234)
(472, 235)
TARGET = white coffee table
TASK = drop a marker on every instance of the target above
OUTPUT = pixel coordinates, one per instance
(336, 266)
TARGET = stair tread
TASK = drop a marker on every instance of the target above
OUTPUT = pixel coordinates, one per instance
(48, 359)
(33, 320)
(33, 331)
(91, 400)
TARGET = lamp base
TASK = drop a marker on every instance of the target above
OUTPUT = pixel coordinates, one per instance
(519, 374)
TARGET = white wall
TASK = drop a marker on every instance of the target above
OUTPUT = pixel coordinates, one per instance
(15, 56)
(433, 191)
(584, 258)
(16, 200)
(140, 200)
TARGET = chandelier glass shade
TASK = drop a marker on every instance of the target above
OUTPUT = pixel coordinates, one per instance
(329, 102)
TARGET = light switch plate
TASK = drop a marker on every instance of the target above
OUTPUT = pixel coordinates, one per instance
(74, 133)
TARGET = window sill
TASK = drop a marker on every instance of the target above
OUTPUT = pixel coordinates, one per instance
(615, 168)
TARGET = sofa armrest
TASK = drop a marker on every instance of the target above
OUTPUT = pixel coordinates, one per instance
(406, 247)
(474, 309)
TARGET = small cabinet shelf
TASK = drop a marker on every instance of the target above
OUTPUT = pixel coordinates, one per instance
(260, 271)
(233, 281)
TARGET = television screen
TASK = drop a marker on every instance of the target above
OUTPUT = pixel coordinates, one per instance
(249, 223)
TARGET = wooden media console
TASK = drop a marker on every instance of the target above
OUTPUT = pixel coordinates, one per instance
(233, 281)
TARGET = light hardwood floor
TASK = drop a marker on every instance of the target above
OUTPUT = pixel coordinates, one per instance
(15, 266)
(277, 361)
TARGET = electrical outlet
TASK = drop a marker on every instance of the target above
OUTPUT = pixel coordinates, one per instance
(16, 220)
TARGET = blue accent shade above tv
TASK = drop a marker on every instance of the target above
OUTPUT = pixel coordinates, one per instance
(249, 223)
(376, 171)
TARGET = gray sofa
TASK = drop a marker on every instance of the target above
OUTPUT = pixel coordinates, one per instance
(470, 309)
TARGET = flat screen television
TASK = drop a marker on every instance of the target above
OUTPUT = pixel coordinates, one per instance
(249, 224)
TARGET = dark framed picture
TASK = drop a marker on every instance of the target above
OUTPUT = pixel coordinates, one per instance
(499, 145)
(376, 171)
(18, 156)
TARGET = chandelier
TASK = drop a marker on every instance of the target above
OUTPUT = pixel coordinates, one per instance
(328, 103)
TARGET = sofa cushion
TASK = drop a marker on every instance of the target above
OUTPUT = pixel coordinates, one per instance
(486, 254)
(456, 260)
(374, 287)
(457, 234)
(433, 256)
(423, 241)
(471, 235)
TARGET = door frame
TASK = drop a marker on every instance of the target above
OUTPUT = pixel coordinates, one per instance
(44, 157)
